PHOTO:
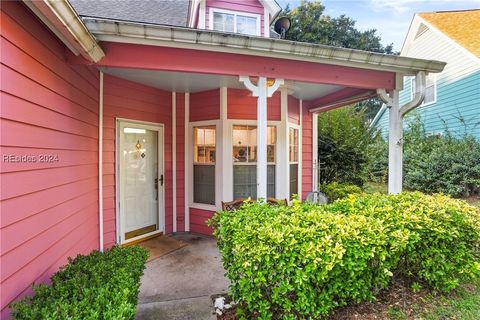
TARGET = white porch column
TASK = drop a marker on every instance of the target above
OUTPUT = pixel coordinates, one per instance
(395, 146)
(262, 139)
(395, 128)
(261, 91)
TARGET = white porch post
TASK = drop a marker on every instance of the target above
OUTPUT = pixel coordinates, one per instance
(261, 91)
(262, 138)
(395, 128)
(395, 146)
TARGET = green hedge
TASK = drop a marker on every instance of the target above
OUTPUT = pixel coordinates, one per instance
(97, 286)
(300, 262)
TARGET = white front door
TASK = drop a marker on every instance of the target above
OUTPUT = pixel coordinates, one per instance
(140, 172)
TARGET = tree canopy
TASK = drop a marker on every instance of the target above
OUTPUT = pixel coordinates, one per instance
(310, 24)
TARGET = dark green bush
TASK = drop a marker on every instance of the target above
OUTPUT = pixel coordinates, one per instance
(433, 163)
(96, 286)
(343, 138)
(335, 190)
(300, 262)
(441, 163)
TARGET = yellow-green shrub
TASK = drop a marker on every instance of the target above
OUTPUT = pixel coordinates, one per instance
(301, 261)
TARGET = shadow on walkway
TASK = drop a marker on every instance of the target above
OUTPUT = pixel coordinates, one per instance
(179, 285)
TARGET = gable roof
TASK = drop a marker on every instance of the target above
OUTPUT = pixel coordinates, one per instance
(166, 12)
(463, 27)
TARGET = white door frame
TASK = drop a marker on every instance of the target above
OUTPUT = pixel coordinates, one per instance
(120, 218)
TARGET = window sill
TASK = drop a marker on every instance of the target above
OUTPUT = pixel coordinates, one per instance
(202, 206)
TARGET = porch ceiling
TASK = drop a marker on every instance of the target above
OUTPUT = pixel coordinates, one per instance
(196, 82)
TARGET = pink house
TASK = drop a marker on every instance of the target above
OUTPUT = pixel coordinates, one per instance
(121, 120)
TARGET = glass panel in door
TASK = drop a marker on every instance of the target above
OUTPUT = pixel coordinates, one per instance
(140, 181)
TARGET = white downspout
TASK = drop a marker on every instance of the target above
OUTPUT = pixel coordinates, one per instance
(174, 160)
(100, 162)
(315, 160)
(186, 162)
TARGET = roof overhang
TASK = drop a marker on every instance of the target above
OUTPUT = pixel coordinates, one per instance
(166, 36)
(63, 21)
(273, 8)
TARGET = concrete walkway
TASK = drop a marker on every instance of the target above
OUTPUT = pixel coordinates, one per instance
(179, 286)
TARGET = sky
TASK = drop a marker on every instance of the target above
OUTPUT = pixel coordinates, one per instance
(391, 18)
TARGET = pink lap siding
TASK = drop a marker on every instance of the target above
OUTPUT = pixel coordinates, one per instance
(242, 105)
(130, 100)
(180, 121)
(307, 151)
(198, 219)
(49, 112)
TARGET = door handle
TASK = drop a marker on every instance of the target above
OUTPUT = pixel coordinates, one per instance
(156, 188)
(161, 179)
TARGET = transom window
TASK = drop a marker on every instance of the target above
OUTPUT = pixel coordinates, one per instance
(293, 159)
(229, 21)
(430, 89)
(244, 141)
(204, 165)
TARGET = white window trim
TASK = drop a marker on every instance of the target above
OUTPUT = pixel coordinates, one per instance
(299, 158)
(229, 130)
(412, 89)
(190, 163)
(235, 13)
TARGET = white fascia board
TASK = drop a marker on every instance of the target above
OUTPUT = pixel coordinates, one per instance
(272, 7)
(129, 32)
(64, 22)
(412, 30)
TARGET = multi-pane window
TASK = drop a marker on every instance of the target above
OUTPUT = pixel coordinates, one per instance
(293, 160)
(233, 22)
(204, 165)
(245, 161)
(430, 89)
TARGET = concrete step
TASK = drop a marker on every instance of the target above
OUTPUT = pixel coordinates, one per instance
(198, 308)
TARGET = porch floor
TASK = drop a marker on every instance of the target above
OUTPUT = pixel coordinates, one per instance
(179, 285)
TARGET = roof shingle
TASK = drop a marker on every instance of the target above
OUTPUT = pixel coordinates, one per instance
(166, 12)
(462, 27)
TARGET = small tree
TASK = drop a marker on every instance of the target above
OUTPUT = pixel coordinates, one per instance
(343, 141)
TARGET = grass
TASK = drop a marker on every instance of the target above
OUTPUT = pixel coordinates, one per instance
(464, 304)
(402, 303)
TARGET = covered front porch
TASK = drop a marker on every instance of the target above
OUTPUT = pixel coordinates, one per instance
(237, 117)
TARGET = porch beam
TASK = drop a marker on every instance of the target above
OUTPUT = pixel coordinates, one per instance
(339, 99)
(261, 90)
(125, 55)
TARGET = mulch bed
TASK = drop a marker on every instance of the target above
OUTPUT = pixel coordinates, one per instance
(399, 296)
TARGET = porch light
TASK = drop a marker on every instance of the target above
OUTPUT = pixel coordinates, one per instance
(254, 80)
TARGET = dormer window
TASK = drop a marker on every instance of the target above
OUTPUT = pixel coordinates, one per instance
(237, 22)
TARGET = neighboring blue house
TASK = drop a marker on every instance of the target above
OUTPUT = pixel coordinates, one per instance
(452, 99)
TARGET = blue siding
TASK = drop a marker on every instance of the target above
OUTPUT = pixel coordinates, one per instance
(455, 100)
